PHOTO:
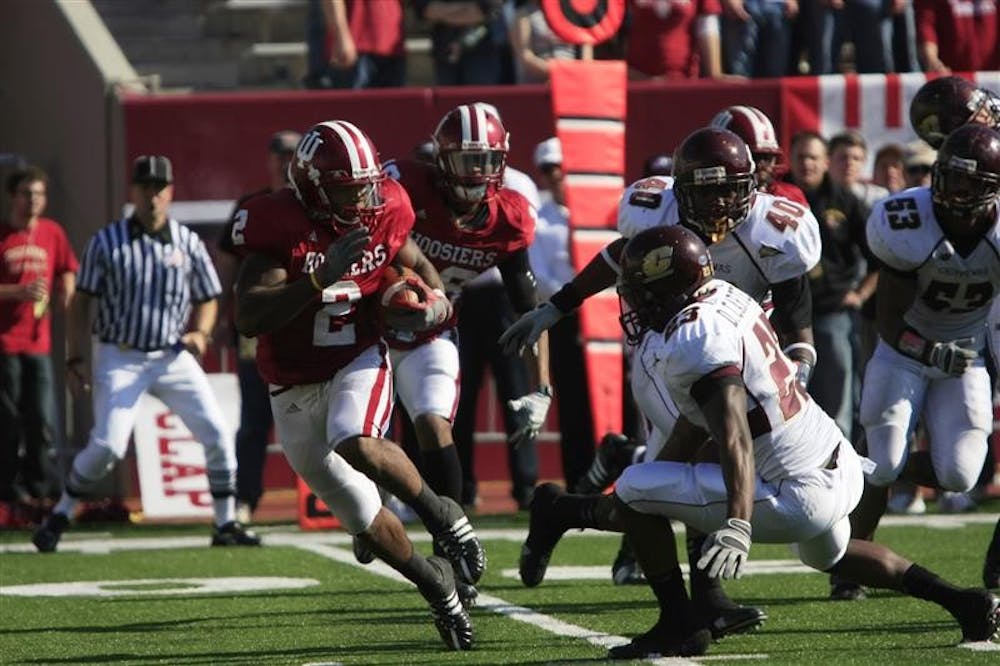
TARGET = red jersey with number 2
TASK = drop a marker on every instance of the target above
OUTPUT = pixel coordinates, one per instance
(333, 329)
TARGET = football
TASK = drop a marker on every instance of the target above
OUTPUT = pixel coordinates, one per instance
(397, 290)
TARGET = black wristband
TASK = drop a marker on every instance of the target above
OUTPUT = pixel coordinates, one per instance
(567, 299)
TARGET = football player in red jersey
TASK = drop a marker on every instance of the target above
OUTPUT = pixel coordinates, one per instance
(315, 254)
(466, 223)
(753, 126)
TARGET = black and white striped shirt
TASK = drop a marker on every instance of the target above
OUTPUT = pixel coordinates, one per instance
(144, 284)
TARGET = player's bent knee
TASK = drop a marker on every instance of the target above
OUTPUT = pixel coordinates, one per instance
(824, 551)
(356, 503)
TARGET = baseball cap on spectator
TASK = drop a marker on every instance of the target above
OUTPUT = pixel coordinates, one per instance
(152, 169)
(284, 142)
(919, 155)
(548, 153)
(658, 165)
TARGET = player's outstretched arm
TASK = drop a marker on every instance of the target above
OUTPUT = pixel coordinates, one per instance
(599, 274)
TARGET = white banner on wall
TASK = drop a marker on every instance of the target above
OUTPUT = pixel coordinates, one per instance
(171, 462)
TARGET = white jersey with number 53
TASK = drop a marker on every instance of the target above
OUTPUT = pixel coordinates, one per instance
(778, 240)
(725, 332)
(954, 293)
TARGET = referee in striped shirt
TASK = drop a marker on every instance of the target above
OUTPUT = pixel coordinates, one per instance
(156, 291)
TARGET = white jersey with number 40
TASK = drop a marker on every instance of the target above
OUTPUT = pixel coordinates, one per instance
(724, 332)
(779, 239)
(954, 293)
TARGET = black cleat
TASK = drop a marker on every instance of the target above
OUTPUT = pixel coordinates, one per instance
(845, 590)
(461, 545)
(735, 620)
(979, 616)
(658, 642)
(543, 535)
(626, 570)
(613, 455)
(234, 534)
(362, 551)
(467, 594)
(450, 617)
(46, 537)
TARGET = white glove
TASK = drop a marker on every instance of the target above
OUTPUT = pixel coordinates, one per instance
(525, 332)
(726, 549)
(952, 357)
(433, 310)
(530, 412)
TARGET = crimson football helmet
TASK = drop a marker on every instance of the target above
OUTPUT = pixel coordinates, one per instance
(713, 181)
(755, 128)
(336, 174)
(947, 103)
(471, 146)
(965, 179)
(660, 268)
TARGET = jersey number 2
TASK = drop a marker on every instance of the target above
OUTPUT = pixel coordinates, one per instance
(331, 327)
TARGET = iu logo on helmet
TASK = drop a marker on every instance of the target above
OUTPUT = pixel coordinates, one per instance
(308, 146)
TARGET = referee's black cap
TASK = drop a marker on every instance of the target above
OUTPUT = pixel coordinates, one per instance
(152, 169)
(284, 142)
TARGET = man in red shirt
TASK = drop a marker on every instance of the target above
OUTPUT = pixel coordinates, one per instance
(362, 45)
(957, 35)
(36, 261)
(315, 256)
(674, 39)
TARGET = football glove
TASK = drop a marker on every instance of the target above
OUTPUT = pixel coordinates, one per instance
(952, 357)
(529, 414)
(432, 310)
(341, 253)
(726, 549)
(524, 332)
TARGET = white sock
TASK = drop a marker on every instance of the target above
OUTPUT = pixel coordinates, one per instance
(66, 505)
(225, 509)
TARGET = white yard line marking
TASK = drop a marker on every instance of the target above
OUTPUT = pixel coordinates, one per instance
(751, 568)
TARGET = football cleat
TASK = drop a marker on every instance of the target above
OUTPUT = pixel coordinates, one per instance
(46, 537)
(467, 594)
(543, 535)
(450, 617)
(234, 534)
(735, 620)
(845, 590)
(979, 616)
(626, 570)
(613, 455)
(461, 545)
(658, 642)
(362, 551)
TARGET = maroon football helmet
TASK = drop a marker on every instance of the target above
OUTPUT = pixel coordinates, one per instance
(471, 146)
(336, 174)
(965, 180)
(713, 182)
(947, 103)
(660, 268)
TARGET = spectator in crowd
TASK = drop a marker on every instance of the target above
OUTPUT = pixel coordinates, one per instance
(533, 44)
(917, 163)
(867, 24)
(469, 41)
(674, 39)
(904, 37)
(553, 267)
(848, 156)
(154, 263)
(814, 35)
(37, 269)
(255, 406)
(356, 44)
(840, 283)
(757, 36)
(888, 169)
(958, 35)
